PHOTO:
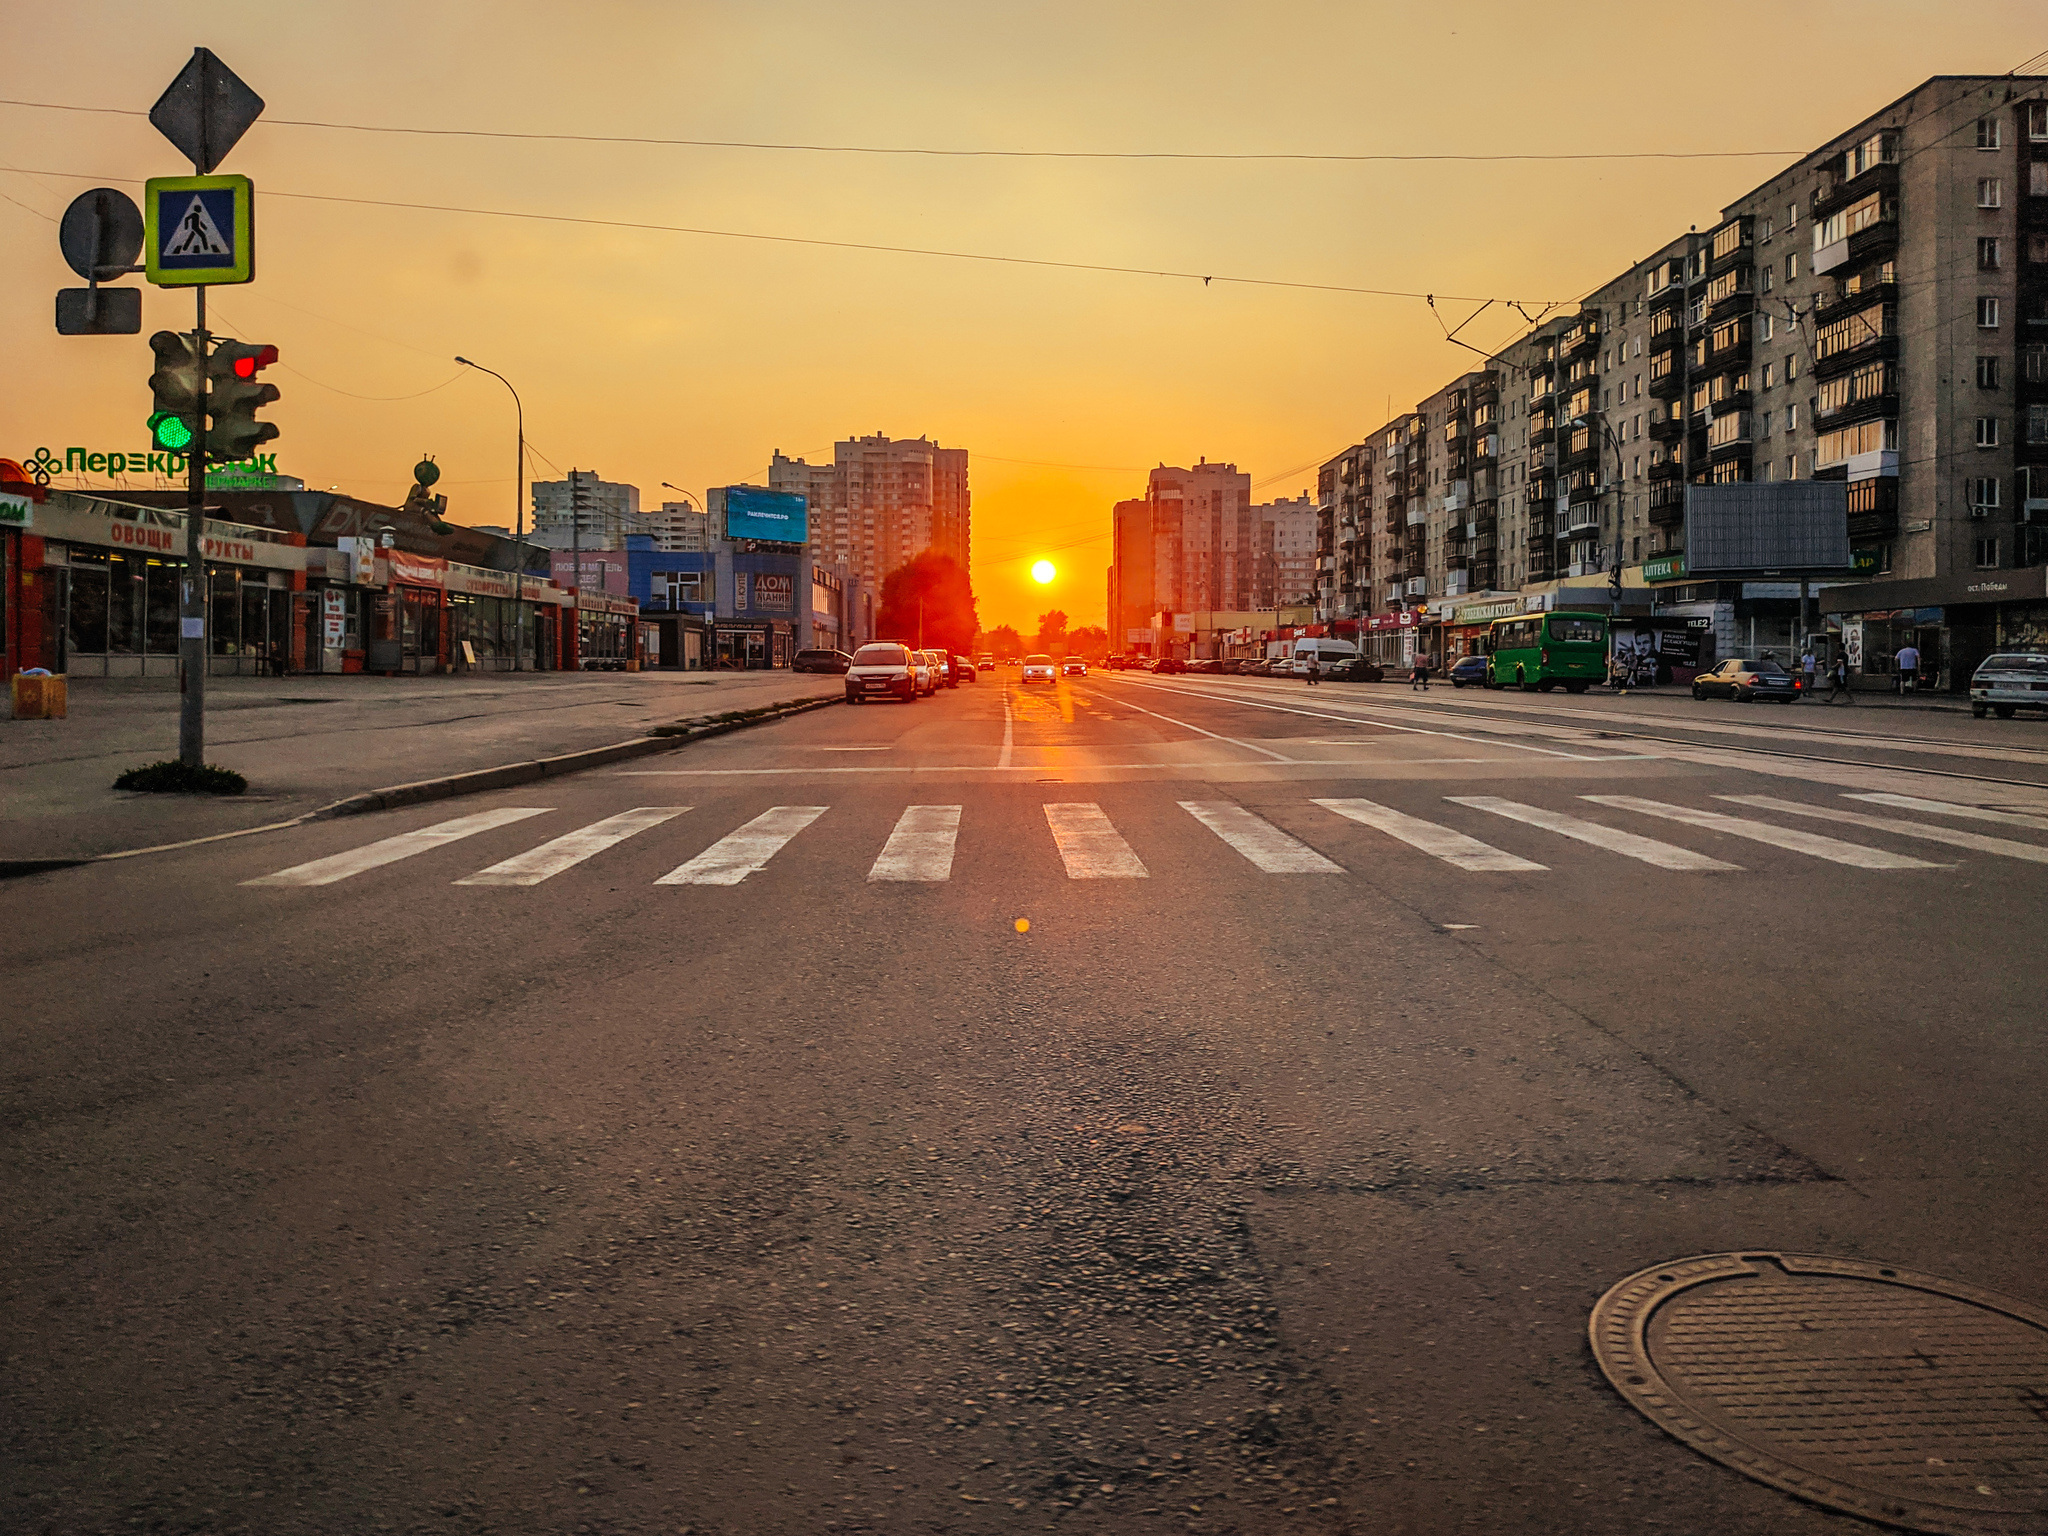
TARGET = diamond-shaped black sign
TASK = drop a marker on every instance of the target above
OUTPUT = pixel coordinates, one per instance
(205, 110)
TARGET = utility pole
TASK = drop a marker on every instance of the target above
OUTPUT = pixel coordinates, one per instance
(192, 589)
(576, 557)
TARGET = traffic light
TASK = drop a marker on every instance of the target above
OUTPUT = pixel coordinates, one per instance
(177, 383)
(236, 433)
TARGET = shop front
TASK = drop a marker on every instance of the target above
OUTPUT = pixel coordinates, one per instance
(1954, 622)
(96, 588)
(608, 633)
(1392, 640)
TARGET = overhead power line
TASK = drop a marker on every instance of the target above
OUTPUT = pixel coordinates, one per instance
(1204, 278)
(937, 153)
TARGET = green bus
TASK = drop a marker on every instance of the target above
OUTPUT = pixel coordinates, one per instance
(1536, 651)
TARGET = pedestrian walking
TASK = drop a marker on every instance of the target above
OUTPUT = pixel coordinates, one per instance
(1420, 677)
(1313, 673)
(1806, 670)
(1838, 680)
(1908, 662)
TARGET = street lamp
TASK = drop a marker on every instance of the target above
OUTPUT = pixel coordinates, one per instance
(519, 509)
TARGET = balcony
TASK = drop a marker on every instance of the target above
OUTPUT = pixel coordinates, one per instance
(1669, 470)
(1582, 339)
(1542, 564)
(1669, 384)
(1542, 431)
(1581, 521)
(1418, 518)
(1874, 507)
(1667, 429)
(1882, 178)
(1540, 533)
(1457, 562)
(1741, 302)
(1667, 504)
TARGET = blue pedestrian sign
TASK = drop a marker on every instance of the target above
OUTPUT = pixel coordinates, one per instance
(199, 229)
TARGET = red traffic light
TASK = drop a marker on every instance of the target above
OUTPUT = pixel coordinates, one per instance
(245, 367)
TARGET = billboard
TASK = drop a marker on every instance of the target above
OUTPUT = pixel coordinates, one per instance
(1775, 528)
(778, 517)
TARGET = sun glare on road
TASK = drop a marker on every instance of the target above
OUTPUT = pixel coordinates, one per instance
(1043, 572)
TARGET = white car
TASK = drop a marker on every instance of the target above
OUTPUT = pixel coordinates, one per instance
(1039, 669)
(2009, 682)
(1074, 666)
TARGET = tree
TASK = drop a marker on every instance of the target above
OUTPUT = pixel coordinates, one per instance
(928, 601)
(1090, 641)
(1003, 642)
(1052, 632)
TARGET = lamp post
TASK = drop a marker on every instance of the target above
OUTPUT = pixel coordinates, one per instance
(519, 510)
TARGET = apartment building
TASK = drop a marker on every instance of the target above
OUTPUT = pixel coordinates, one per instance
(596, 511)
(677, 529)
(1194, 543)
(1875, 313)
(881, 501)
(1285, 540)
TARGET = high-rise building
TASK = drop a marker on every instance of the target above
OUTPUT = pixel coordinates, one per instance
(883, 500)
(1193, 544)
(677, 529)
(1285, 536)
(595, 508)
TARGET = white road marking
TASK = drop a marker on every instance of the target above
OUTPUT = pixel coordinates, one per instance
(744, 852)
(1613, 839)
(1091, 847)
(1791, 838)
(390, 850)
(1454, 848)
(1389, 725)
(1009, 729)
(1967, 812)
(921, 847)
(1259, 840)
(573, 848)
(1955, 837)
(1141, 709)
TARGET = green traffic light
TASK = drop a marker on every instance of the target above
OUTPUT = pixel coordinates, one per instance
(169, 431)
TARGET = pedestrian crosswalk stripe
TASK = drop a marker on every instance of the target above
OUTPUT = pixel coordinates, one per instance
(390, 850)
(1259, 840)
(1613, 839)
(1454, 848)
(744, 852)
(551, 858)
(1955, 837)
(1967, 812)
(1091, 847)
(1791, 838)
(921, 847)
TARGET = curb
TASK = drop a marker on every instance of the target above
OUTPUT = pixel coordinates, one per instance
(509, 774)
(453, 785)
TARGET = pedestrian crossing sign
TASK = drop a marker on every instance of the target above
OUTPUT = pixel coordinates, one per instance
(199, 229)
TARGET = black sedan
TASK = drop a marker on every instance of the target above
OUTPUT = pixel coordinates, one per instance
(821, 661)
(1745, 679)
(1468, 670)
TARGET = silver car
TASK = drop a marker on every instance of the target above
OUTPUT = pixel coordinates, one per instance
(2009, 681)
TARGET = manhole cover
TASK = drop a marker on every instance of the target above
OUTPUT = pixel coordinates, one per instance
(1897, 1396)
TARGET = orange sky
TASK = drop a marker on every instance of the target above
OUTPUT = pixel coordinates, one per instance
(656, 356)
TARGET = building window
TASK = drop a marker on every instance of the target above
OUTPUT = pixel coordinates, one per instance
(1792, 216)
(1983, 495)
(1990, 192)
(1988, 255)
(1766, 327)
(1792, 417)
(1990, 133)
(1987, 431)
(1792, 467)
(2037, 426)
(1791, 367)
(2037, 179)
(1987, 373)
(1987, 554)
(1791, 265)
(1987, 313)
(1770, 375)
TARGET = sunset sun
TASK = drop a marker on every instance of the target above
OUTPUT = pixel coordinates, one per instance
(1043, 572)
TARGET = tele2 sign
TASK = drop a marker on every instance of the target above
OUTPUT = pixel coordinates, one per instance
(199, 229)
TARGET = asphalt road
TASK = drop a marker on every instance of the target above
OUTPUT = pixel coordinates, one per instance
(709, 1146)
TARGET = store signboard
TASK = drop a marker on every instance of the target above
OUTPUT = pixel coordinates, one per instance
(17, 511)
(774, 592)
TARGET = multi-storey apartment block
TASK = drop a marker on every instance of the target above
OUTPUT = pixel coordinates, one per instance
(1876, 313)
(881, 501)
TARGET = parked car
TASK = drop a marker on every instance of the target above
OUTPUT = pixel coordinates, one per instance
(1073, 666)
(1169, 665)
(1746, 679)
(927, 678)
(885, 670)
(1360, 670)
(1039, 669)
(965, 669)
(821, 661)
(2009, 682)
(1467, 671)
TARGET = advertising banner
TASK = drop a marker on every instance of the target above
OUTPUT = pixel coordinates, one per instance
(777, 517)
(774, 592)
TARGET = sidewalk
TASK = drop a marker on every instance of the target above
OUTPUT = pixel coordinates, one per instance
(1936, 703)
(304, 742)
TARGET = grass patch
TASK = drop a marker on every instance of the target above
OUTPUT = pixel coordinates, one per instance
(171, 777)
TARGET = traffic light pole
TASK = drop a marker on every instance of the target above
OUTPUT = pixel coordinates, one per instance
(192, 590)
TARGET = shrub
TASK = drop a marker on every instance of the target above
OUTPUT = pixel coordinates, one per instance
(174, 778)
